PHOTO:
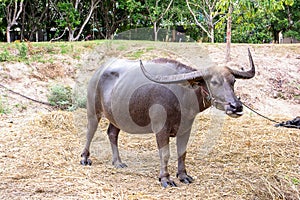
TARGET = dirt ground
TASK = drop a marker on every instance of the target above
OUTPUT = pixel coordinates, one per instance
(244, 158)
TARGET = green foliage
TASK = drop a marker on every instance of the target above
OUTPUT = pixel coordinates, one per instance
(134, 9)
(61, 96)
(21, 56)
(155, 10)
(294, 22)
(251, 32)
(70, 16)
(254, 21)
(259, 21)
(4, 56)
(4, 109)
(64, 98)
(293, 34)
(22, 50)
(295, 181)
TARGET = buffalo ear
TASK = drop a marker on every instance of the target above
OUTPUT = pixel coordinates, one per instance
(195, 83)
(245, 74)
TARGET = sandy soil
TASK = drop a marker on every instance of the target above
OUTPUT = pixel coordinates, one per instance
(245, 158)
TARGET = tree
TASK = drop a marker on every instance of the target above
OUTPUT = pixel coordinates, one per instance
(276, 14)
(34, 18)
(282, 19)
(74, 16)
(225, 6)
(113, 15)
(228, 33)
(259, 20)
(157, 10)
(13, 11)
(293, 16)
(205, 14)
(2, 19)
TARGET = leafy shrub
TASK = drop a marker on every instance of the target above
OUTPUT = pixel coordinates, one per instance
(80, 102)
(61, 96)
(4, 56)
(64, 98)
(23, 50)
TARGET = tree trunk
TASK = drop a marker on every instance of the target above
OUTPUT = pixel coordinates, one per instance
(71, 35)
(37, 36)
(228, 34)
(276, 36)
(155, 31)
(12, 16)
(8, 39)
(32, 33)
(212, 35)
(23, 25)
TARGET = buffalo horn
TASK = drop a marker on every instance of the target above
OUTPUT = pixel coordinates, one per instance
(245, 74)
(168, 79)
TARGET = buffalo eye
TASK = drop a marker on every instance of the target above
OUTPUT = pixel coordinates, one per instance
(214, 82)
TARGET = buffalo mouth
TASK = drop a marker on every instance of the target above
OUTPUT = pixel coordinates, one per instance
(234, 111)
(234, 114)
(229, 109)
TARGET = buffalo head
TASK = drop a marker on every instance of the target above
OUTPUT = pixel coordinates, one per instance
(219, 83)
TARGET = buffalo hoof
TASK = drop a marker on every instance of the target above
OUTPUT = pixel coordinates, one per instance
(86, 162)
(184, 178)
(120, 165)
(165, 182)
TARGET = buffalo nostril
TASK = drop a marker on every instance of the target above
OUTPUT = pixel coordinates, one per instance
(237, 107)
(232, 106)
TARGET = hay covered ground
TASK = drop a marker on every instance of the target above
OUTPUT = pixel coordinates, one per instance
(244, 158)
(251, 159)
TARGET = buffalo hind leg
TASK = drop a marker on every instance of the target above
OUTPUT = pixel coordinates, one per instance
(181, 142)
(113, 133)
(162, 139)
(92, 126)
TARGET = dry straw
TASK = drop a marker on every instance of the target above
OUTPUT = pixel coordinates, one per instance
(250, 160)
(55, 120)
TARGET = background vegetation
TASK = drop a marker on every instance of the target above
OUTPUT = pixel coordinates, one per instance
(255, 21)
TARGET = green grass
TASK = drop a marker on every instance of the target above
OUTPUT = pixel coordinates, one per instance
(295, 181)
(137, 54)
(43, 52)
(4, 109)
(150, 48)
(121, 48)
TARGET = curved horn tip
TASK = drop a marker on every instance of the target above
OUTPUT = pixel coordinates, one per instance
(249, 52)
(246, 74)
(142, 67)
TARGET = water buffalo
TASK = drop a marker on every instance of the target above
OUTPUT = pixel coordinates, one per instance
(161, 96)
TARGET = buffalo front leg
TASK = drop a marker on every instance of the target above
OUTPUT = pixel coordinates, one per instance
(162, 139)
(92, 126)
(113, 133)
(181, 142)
